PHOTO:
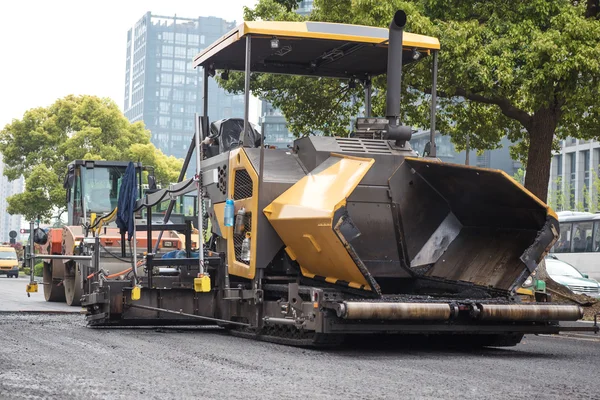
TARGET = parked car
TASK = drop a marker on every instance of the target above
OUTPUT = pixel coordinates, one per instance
(9, 263)
(567, 275)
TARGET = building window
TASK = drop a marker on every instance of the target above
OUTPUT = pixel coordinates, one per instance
(572, 177)
(167, 50)
(179, 66)
(191, 96)
(484, 160)
(190, 109)
(167, 65)
(586, 179)
(189, 125)
(202, 39)
(178, 94)
(164, 107)
(191, 53)
(177, 123)
(168, 37)
(193, 39)
(180, 52)
(166, 78)
(178, 79)
(164, 121)
(180, 38)
(178, 108)
(558, 160)
(165, 93)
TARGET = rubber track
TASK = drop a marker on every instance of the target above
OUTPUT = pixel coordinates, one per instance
(289, 336)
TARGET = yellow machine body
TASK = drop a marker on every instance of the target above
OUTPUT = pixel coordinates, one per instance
(303, 216)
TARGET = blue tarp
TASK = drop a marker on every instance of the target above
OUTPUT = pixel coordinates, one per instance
(126, 204)
(179, 254)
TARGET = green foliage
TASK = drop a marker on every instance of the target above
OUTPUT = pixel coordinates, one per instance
(519, 176)
(38, 269)
(166, 168)
(290, 5)
(27, 271)
(41, 144)
(527, 69)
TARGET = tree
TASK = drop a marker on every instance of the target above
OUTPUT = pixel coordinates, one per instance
(519, 176)
(527, 69)
(39, 146)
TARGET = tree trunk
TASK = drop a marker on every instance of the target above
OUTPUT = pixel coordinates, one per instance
(541, 133)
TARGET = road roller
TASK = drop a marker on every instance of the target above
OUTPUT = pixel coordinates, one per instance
(92, 187)
(332, 236)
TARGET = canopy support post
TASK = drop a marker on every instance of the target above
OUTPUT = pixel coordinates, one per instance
(432, 146)
(246, 92)
(205, 93)
(368, 88)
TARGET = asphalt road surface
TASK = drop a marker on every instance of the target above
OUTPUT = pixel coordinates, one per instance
(55, 356)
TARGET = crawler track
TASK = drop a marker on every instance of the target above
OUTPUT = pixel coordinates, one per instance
(290, 336)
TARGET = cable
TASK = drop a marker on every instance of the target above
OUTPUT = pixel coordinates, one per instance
(114, 255)
(125, 271)
(166, 191)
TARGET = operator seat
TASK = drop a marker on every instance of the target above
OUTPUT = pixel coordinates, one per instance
(226, 133)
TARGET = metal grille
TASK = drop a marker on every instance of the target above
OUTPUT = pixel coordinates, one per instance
(584, 289)
(242, 185)
(364, 145)
(238, 239)
(222, 184)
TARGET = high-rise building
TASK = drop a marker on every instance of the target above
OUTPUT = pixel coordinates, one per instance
(575, 176)
(305, 7)
(8, 222)
(275, 127)
(161, 86)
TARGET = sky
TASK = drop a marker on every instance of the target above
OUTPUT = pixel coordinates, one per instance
(49, 49)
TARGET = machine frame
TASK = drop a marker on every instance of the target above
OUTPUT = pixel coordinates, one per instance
(287, 306)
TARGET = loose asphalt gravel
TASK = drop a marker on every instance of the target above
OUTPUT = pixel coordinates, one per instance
(57, 357)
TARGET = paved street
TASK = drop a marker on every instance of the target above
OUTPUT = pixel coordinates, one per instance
(56, 357)
(14, 298)
(50, 355)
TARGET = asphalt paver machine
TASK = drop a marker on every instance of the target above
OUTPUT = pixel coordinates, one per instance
(337, 236)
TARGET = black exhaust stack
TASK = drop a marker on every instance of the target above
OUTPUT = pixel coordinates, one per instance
(394, 130)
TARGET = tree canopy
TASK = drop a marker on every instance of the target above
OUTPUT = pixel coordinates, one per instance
(39, 146)
(529, 70)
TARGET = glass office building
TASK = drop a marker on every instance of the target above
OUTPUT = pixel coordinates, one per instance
(161, 87)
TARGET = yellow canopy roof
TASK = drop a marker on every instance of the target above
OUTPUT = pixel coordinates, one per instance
(310, 48)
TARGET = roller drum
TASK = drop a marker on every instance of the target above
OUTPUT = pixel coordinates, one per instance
(532, 313)
(53, 275)
(395, 311)
(73, 284)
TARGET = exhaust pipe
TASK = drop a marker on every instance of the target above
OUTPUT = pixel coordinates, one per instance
(394, 130)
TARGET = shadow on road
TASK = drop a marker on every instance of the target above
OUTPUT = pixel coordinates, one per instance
(415, 345)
